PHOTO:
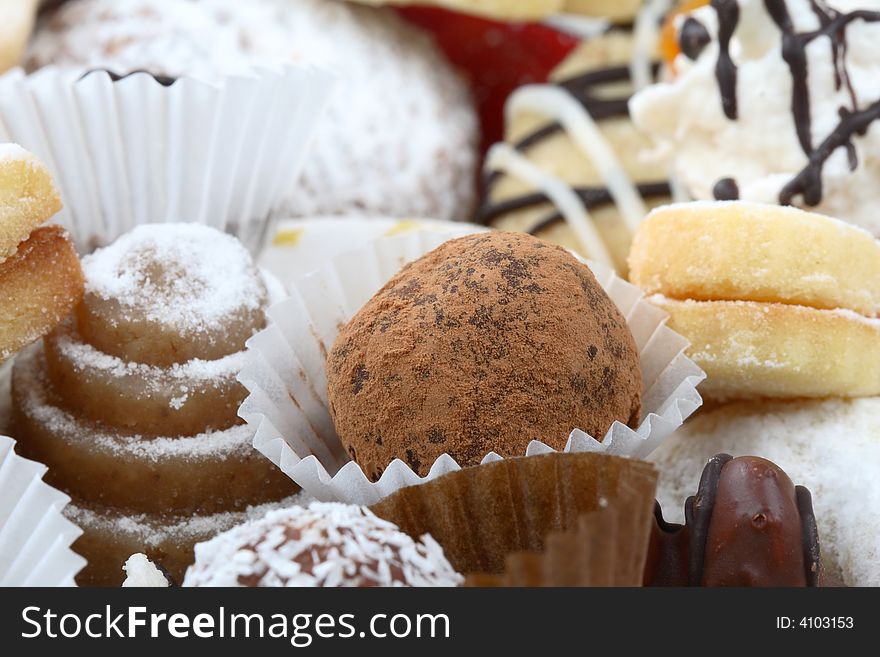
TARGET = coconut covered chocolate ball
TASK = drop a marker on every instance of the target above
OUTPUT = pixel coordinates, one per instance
(484, 344)
(322, 545)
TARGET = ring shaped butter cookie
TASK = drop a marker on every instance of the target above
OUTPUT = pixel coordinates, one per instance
(751, 252)
(754, 350)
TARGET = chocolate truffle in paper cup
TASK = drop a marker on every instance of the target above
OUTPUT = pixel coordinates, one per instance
(287, 377)
(482, 345)
(322, 545)
(483, 515)
(35, 537)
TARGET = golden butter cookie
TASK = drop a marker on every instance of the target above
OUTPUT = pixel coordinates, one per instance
(28, 197)
(39, 286)
(772, 350)
(751, 252)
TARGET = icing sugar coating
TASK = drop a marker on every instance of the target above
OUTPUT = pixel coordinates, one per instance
(323, 545)
(111, 536)
(186, 285)
(398, 138)
(212, 471)
(28, 197)
(184, 399)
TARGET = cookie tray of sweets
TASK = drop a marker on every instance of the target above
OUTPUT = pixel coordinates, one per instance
(265, 322)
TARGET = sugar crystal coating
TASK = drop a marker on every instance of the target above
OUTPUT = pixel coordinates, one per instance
(168, 293)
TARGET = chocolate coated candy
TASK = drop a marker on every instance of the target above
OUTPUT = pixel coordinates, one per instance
(748, 525)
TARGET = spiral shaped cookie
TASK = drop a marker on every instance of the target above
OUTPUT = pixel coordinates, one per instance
(132, 402)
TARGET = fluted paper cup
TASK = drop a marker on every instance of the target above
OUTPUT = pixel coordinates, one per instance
(555, 519)
(35, 537)
(285, 375)
(136, 151)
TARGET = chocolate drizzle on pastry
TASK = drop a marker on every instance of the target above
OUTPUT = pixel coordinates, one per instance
(725, 69)
(853, 120)
(591, 197)
(164, 80)
(693, 39)
(748, 525)
(583, 88)
(726, 189)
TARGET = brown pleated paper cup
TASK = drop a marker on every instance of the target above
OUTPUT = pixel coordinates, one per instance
(556, 519)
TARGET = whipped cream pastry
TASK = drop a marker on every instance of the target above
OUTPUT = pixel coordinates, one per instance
(774, 101)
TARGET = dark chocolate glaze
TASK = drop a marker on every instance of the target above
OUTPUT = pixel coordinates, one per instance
(698, 514)
(164, 80)
(755, 533)
(725, 69)
(810, 537)
(583, 89)
(748, 525)
(726, 189)
(693, 38)
(666, 564)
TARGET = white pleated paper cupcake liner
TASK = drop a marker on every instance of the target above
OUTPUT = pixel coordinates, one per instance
(134, 151)
(35, 537)
(285, 375)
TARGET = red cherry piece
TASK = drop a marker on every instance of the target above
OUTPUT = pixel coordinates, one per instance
(496, 56)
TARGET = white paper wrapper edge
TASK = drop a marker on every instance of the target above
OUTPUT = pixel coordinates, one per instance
(35, 537)
(134, 151)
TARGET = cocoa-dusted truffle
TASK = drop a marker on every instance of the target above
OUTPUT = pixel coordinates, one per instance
(484, 344)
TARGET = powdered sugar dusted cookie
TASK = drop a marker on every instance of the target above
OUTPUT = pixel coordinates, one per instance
(398, 137)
